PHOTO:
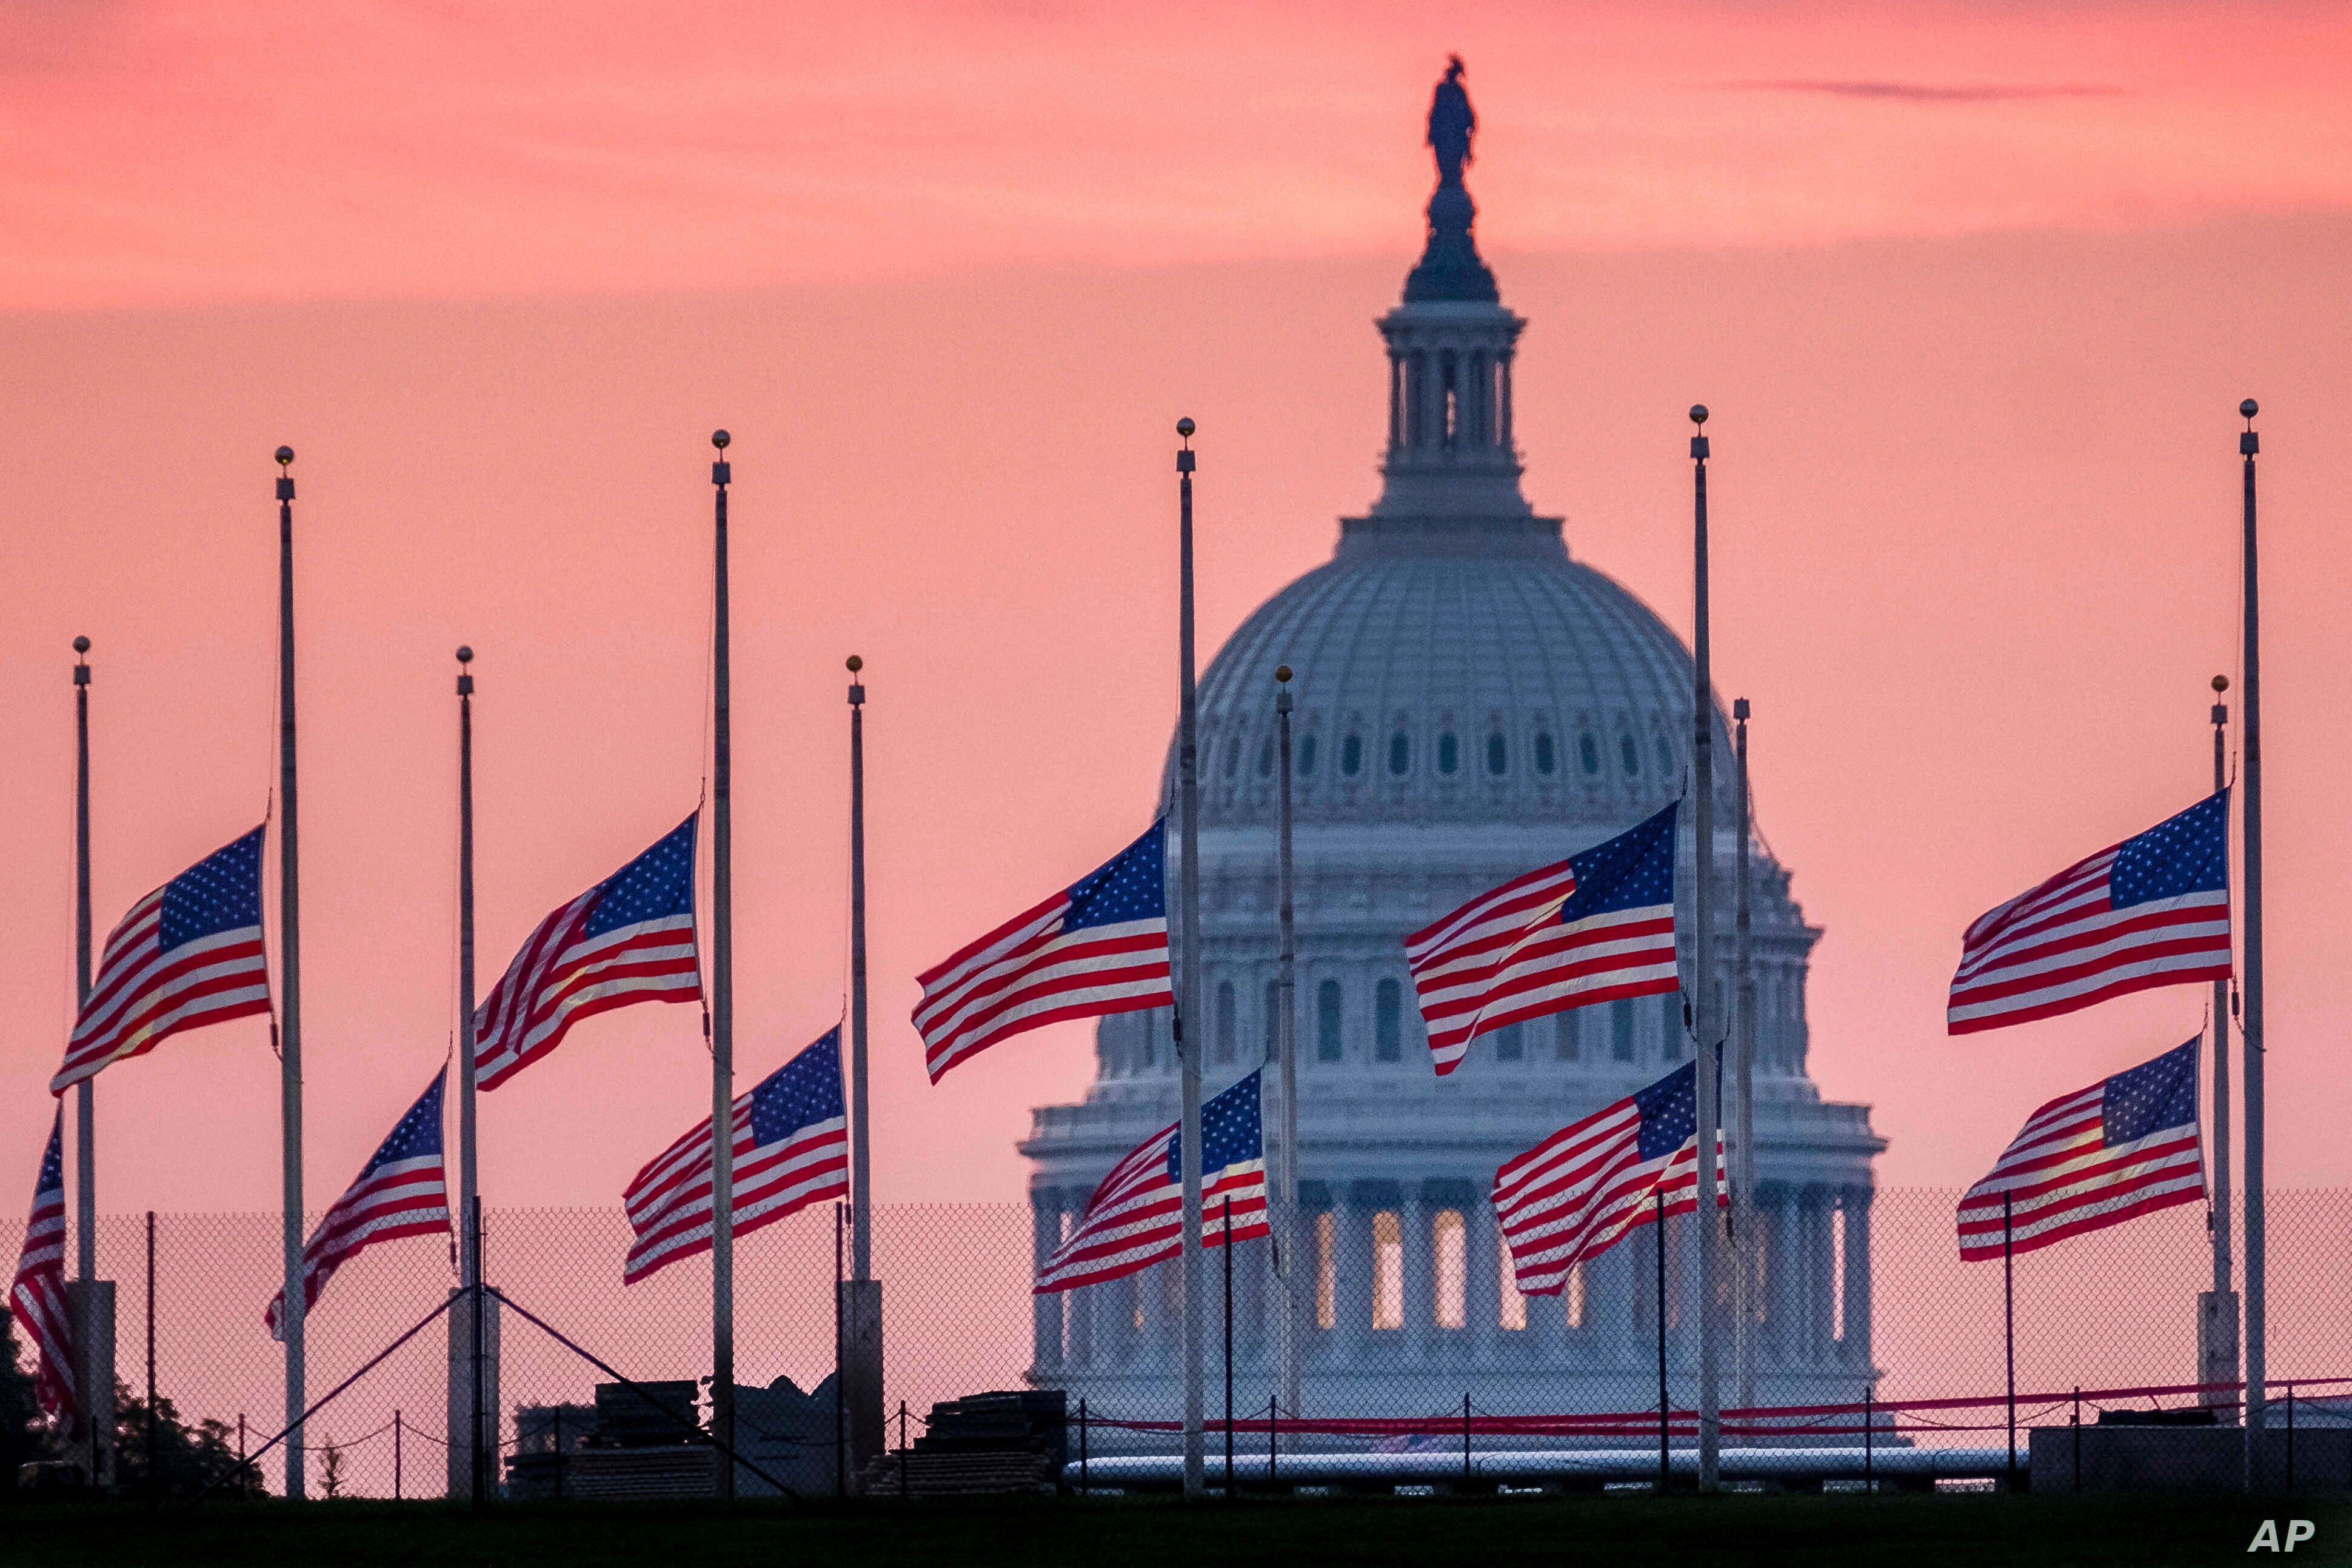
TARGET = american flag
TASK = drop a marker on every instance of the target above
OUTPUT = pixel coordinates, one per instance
(38, 1297)
(1099, 946)
(2125, 1147)
(1593, 928)
(403, 1190)
(1580, 1191)
(1136, 1216)
(2152, 910)
(630, 938)
(187, 955)
(792, 1149)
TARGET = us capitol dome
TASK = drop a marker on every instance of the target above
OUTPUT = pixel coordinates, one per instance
(1472, 700)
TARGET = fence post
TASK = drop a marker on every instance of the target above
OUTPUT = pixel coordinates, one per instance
(903, 1493)
(559, 1448)
(2076, 1421)
(1272, 1436)
(2290, 1440)
(1084, 1479)
(396, 1456)
(1869, 1442)
(153, 1481)
(1465, 1441)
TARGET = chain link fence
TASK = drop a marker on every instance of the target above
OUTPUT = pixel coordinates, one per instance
(1418, 1363)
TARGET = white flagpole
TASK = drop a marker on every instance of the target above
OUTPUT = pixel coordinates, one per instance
(1191, 1038)
(1288, 1381)
(722, 1008)
(289, 971)
(1701, 988)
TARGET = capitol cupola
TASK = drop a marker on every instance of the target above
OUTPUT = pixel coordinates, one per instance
(1451, 454)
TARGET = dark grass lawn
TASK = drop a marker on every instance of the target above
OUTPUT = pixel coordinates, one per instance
(1909, 1531)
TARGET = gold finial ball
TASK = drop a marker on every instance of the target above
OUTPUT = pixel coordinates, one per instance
(284, 455)
(2220, 683)
(81, 644)
(719, 439)
(2250, 408)
(465, 654)
(1699, 413)
(855, 663)
(1282, 673)
(1184, 428)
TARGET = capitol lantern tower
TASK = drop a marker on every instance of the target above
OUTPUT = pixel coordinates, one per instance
(1472, 700)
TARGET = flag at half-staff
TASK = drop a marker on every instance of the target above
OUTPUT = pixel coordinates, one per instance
(402, 1190)
(1583, 1189)
(792, 1149)
(1594, 927)
(630, 938)
(2125, 1147)
(2151, 911)
(187, 955)
(37, 1297)
(1098, 946)
(1136, 1216)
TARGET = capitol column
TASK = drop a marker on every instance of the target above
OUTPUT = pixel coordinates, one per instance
(1482, 1280)
(1784, 1275)
(1417, 1275)
(1820, 1271)
(1856, 1345)
(1045, 1235)
(1356, 1256)
(1082, 1305)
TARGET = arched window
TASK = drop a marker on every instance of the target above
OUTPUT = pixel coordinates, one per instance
(1588, 751)
(1449, 753)
(1449, 1250)
(1306, 755)
(1545, 761)
(1328, 1046)
(1388, 1022)
(1327, 1270)
(1498, 754)
(1352, 756)
(1400, 753)
(1388, 1270)
(1632, 755)
(1228, 1025)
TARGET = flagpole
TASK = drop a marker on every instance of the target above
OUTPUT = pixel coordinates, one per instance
(1743, 1150)
(861, 1309)
(1287, 1380)
(93, 1405)
(722, 1007)
(470, 1257)
(2009, 1329)
(1701, 988)
(289, 971)
(2220, 1323)
(2249, 1029)
(1188, 1003)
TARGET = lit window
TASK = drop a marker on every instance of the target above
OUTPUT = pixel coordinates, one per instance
(1388, 1020)
(1589, 750)
(1449, 1252)
(1449, 753)
(1573, 1296)
(1352, 756)
(1511, 1308)
(1327, 1271)
(1545, 761)
(1399, 752)
(1388, 1270)
(1306, 756)
(1498, 754)
(1328, 1046)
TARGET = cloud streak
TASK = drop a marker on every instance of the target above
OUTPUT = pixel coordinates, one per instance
(1928, 92)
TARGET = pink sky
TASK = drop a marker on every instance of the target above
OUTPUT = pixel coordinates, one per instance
(1972, 292)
